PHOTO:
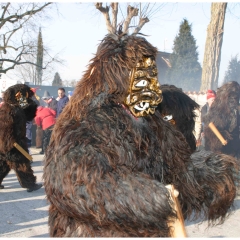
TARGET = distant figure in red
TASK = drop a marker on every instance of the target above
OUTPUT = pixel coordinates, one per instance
(45, 118)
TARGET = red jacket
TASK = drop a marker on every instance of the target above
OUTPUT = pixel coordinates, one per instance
(45, 117)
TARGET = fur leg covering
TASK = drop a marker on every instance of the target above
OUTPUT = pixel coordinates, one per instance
(103, 215)
(4, 168)
(22, 167)
(215, 173)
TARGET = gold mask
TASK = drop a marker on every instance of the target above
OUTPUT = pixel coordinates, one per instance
(144, 93)
(22, 100)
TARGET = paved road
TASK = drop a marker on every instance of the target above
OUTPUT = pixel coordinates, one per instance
(24, 214)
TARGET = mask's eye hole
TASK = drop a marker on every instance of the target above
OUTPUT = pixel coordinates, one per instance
(168, 118)
(142, 83)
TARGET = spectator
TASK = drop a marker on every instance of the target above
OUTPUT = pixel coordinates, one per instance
(45, 118)
(50, 101)
(63, 100)
(30, 128)
(29, 134)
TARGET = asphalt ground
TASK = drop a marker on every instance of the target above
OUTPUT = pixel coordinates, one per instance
(25, 215)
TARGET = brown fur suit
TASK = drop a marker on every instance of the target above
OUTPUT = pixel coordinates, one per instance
(181, 107)
(224, 114)
(13, 119)
(105, 171)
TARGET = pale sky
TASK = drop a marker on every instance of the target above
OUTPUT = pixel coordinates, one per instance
(79, 29)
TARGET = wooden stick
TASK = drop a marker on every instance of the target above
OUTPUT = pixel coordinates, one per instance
(178, 227)
(217, 133)
(20, 149)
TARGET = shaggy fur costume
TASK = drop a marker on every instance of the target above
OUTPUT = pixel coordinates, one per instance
(13, 129)
(176, 103)
(105, 171)
(224, 114)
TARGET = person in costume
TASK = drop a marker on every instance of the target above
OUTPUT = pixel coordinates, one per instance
(224, 114)
(179, 109)
(111, 154)
(18, 108)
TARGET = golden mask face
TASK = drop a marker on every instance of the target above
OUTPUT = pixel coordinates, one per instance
(22, 100)
(144, 93)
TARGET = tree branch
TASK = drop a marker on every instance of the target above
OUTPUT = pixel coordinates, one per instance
(5, 41)
(105, 12)
(141, 23)
(131, 12)
(114, 15)
(16, 62)
(15, 17)
(4, 48)
(5, 9)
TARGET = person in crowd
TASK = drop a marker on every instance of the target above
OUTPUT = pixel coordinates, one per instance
(50, 101)
(18, 108)
(210, 95)
(45, 118)
(63, 100)
(29, 125)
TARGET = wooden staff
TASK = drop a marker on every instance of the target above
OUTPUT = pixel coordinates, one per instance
(217, 133)
(20, 149)
(178, 227)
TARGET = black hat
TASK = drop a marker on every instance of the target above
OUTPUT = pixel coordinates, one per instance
(46, 95)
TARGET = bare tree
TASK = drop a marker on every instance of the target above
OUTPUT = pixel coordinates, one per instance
(70, 83)
(28, 72)
(143, 11)
(213, 45)
(17, 22)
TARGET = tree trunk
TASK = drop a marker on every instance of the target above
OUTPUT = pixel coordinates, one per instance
(213, 45)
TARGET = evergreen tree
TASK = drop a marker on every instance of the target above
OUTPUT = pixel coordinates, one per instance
(185, 71)
(39, 70)
(233, 71)
(57, 81)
